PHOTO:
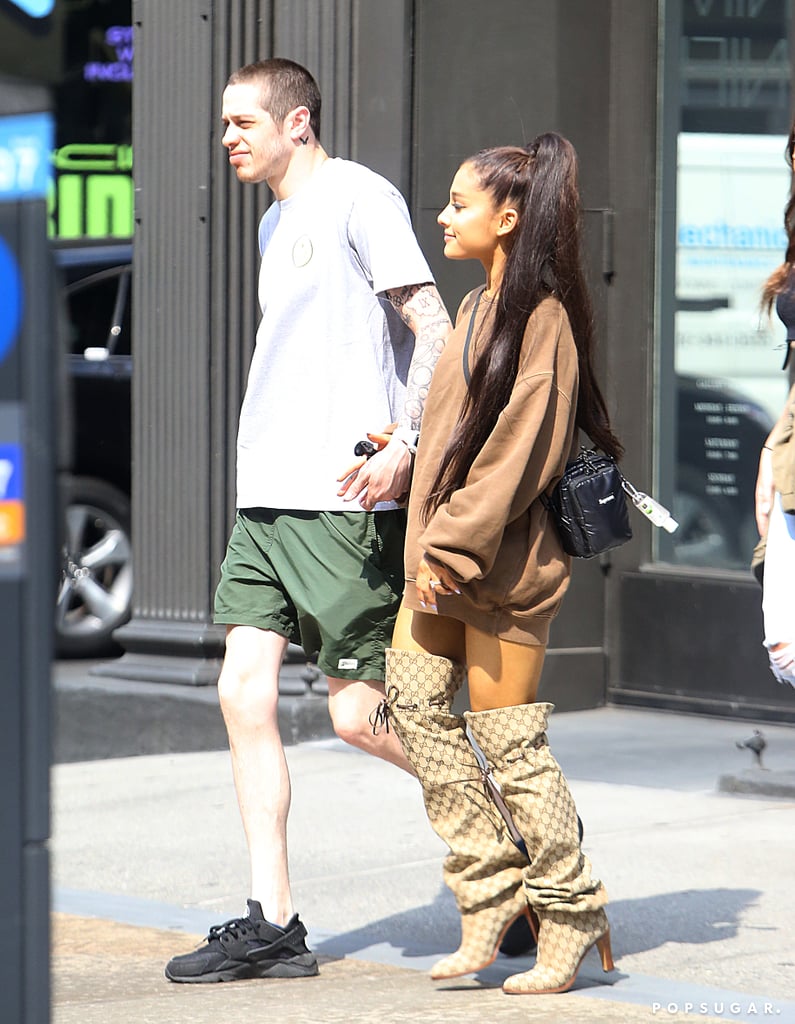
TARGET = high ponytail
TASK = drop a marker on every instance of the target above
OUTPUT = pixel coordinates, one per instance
(544, 259)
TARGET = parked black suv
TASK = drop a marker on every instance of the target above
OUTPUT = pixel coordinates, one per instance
(95, 590)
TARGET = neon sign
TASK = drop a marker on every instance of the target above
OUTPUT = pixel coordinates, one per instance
(120, 39)
(93, 192)
(35, 8)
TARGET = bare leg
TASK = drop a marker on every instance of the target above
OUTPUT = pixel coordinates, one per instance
(248, 690)
(429, 633)
(501, 674)
(350, 705)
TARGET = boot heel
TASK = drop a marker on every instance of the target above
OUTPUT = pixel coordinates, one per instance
(564, 940)
(605, 952)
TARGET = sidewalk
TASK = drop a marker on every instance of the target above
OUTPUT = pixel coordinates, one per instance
(124, 987)
(148, 853)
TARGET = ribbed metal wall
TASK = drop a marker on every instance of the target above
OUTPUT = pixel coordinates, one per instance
(319, 34)
(242, 33)
(171, 439)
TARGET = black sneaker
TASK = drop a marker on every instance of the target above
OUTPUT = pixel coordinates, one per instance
(247, 947)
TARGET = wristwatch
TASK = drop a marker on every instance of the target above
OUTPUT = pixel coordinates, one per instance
(409, 438)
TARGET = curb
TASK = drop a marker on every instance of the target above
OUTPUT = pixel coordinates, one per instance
(759, 782)
(95, 718)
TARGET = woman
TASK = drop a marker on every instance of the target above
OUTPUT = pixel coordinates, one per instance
(485, 569)
(775, 500)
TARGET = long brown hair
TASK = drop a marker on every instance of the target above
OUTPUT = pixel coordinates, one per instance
(540, 182)
(777, 279)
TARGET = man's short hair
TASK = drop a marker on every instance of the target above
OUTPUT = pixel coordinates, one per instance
(285, 85)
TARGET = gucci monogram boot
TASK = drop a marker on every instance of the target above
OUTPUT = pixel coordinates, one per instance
(558, 883)
(563, 940)
(483, 868)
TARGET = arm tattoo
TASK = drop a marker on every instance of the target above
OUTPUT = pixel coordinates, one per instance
(420, 307)
(400, 297)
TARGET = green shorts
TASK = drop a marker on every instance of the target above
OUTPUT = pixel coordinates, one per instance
(329, 581)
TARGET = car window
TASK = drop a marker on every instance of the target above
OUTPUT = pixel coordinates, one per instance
(98, 311)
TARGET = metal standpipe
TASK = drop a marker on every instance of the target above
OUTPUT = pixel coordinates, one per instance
(28, 355)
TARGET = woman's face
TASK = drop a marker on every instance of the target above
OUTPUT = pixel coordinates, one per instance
(470, 220)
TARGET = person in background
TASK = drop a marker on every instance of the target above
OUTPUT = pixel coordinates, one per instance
(352, 325)
(775, 520)
(775, 484)
(486, 571)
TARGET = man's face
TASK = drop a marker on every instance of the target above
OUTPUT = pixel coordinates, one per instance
(259, 149)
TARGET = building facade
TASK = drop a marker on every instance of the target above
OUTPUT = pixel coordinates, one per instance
(679, 110)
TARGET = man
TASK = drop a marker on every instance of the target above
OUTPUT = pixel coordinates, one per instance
(351, 328)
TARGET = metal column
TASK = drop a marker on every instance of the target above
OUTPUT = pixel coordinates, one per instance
(28, 356)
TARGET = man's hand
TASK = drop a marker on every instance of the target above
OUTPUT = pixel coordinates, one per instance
(385, 476)
(765, 491)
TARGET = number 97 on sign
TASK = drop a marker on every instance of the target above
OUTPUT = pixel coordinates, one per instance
(12, 506)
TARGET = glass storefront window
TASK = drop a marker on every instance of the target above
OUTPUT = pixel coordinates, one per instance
(732, 183)
(82, 50)
(93, 193)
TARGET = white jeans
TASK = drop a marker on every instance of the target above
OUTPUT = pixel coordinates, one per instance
(778, 599)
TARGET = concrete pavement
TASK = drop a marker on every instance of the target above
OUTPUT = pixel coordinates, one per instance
(347, 990)
(148, 852)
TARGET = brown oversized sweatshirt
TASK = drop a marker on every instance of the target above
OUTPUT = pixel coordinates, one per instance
(494, 533)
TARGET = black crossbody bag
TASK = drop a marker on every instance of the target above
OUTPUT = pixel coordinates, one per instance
(588, 504)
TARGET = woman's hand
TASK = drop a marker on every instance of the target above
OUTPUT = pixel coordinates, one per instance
(765, 491)
(433, 578)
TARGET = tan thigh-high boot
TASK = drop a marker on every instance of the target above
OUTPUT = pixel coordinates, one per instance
(559, 886)
(484, 868)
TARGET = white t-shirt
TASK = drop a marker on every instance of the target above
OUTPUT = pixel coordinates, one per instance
(332, 355)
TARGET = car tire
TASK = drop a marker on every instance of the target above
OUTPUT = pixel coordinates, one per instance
(94, 595)
(705, 536)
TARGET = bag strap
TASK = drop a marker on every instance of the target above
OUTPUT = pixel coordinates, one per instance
(465, 356)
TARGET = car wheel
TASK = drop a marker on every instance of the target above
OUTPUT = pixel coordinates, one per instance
(95, 591)
(705, 536)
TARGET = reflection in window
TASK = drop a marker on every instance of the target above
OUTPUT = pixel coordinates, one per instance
(732, 186)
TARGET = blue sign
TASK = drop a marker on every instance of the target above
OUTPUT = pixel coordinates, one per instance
(11, 484)
(10, 300)
(35, 8)
(26, 142)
